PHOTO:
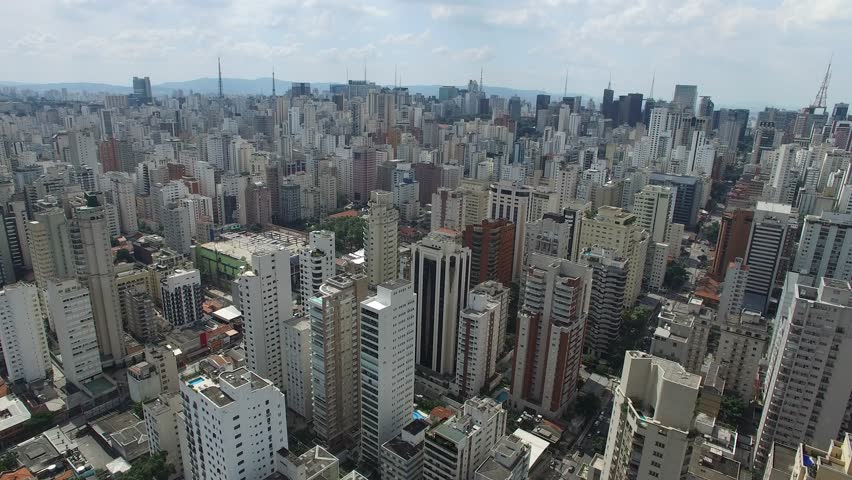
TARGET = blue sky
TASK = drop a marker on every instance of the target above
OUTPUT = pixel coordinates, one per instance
(772, 51)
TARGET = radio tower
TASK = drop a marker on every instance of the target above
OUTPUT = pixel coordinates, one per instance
(820, 100)
(219, 60)
(273, 81)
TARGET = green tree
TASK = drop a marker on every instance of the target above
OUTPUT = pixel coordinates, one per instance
(38, 422)
(733, 410)
(587, 405)
(348, 233)
(676, 277)
(137, 410)
(599, 444)
(152, 467)
(710, 232)
(123, 256)
(9, 461)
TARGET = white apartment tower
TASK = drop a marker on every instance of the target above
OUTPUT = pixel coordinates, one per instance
(316, 263)
(297, 348)
(182, 297)
(478, 345)
(335, 359)
(266, 303)
(388, 331)
(652, 415)
(808, 387)
(235, 422)
(742, 342)
(71, 312)
(177, 221)
(511, 202)
(441, 282)
(124, 198)
(448, 207)
(654, 208)
(825, 247)
(23, 338)
(381, 238)
(549, 339)
(49, 242)
(733, 295)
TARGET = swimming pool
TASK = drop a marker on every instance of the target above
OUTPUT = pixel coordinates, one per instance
(195, 381)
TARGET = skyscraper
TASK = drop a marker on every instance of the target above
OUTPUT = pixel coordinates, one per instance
(336, 375)
(90, 242)
(70, 309)
(478, 345)
(732, 242)
(685, 97)
(24, 340)
(825, 246)
(441, 282)
(316, 263)
(549, 339)
(807, 386)
(266, 302)
(769, 252)
(652, 414)
(609, 280)
(512, 202)
(142, 89)
(388, 333)
(182, 297)
(381, 238)
(492, 248)
(363, 173)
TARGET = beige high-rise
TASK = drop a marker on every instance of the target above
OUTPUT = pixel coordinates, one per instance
(381, 238)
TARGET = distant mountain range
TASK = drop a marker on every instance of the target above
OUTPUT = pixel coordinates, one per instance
(244, 86)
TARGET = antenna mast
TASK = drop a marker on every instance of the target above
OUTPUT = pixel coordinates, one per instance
(822, 94)
(273, 81)
(565, 91)
(219, 61)
(653, 79)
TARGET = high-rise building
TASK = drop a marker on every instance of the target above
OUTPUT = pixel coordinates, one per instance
(807, 388)
(92, 249)
(652, 416)
(182, 297)
(510, 460)
(609, 280)
(316, 262)
(552, 235)
(164, 427)
(688, 197)
(733, 295)
(388, 334)
(124, 197)
(381, 239)
(804, 462)
(50, 246)
(550, 329)
(70, 310)
(654, 207)
(297, 348)
(511, 202)
(177, 223)
(741, 345)
(618, 231)
(478, 345)
(236, 423)
(732, 241)
(685, 97)
(457, 446)
(266, 302)
(142, 89)
(441, 282)
(491, 244)
(825, 246)
(24, 340)
(448, 210)
(497, 293)
(769, 252)
(363, 173)
(140, 315)
(335, 359)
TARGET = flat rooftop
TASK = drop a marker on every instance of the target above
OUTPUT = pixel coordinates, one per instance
(242, 245)
(13, 412)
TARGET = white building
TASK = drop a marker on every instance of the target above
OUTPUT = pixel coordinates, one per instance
(164, 426)
(512, 202)
(71, 312)
(448, 207)
(457, 446)
(388, 331)
(652, 417)
(316, 263)
(402, 457)
(825, 247)
(733, 295)
(177, 221)
(441, 282)
(23, 338)
(266, 302)
(297, 348)
(509, 460)
(381, 238)
(742, 343)
(182, 297)
(235, 425)
(808, 387)
(478, 345)
(124, 197)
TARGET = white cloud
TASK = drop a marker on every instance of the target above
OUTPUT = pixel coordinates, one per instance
(478, 54)
(443, 10)
(354, 54)
(407, 38)
(512, 18)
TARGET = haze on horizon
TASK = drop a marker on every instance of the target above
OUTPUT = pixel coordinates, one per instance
(761, 51)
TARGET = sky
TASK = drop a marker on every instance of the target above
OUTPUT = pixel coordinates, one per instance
(737, 51)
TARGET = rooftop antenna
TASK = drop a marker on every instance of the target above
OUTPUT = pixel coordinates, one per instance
(219, 61)
(653, 79)
(394, 76)
(609, 83)
(365, 71)
(565, 91)
(822, 94)
(273, 81)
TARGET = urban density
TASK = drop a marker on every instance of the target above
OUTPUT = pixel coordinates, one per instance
(356, 280)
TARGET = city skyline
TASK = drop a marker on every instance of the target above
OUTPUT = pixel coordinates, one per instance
(429, 42)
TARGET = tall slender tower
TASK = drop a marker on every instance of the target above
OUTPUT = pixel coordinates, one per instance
(273, 82)
(219, 61)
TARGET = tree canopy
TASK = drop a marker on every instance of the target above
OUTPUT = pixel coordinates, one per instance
(348, 233)
(150, 467)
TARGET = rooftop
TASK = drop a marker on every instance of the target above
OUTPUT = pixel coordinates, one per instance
(13, 412)
(241, 245)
